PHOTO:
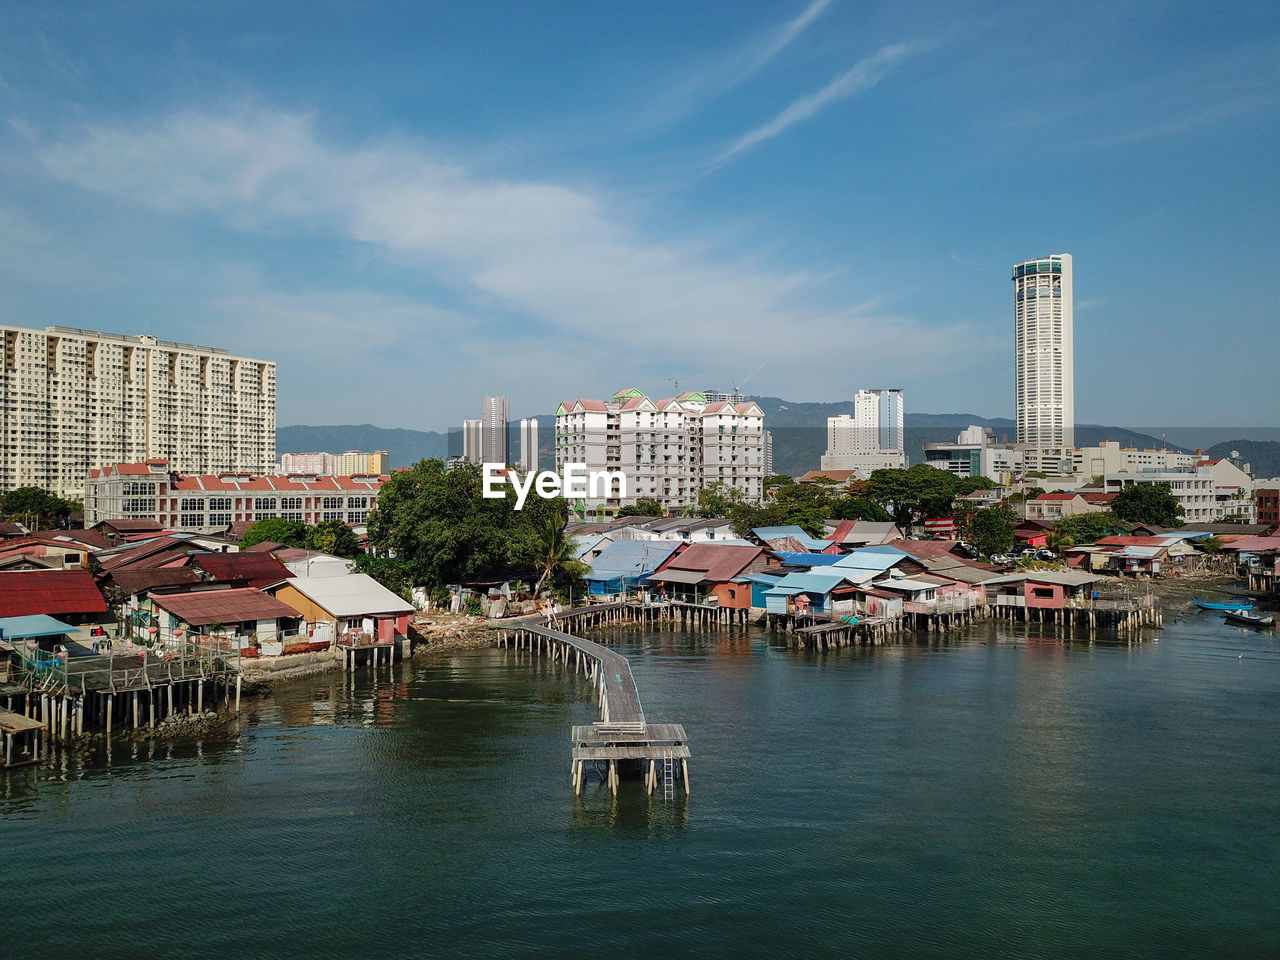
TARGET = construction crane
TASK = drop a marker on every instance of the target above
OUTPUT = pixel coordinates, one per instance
(676, 381)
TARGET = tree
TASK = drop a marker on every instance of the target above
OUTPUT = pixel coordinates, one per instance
(858, 508)
(717, 500)
(35, 507)
(1059, 540)
(292, 533)
(644, 507)
(333, 536)
(1089, 527)
(440, 528)
(921, 491)
(1209, 545)
(967, 485)
(1152, 503)
(555, 553)
(991, 530)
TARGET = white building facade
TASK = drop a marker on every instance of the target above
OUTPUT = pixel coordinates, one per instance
(1044, 368)
(494, 431)
(75, 399)
(668, 449)
(529, 445)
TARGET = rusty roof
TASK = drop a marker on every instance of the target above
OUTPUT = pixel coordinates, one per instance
(52, 592)
(238, 605)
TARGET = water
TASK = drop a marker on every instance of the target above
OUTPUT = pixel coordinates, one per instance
(992, 795)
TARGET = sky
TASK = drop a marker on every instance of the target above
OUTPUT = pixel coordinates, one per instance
(408, 206)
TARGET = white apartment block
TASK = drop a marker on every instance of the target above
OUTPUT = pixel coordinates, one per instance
(207, 503)
(1107, 457)
(529, 445)
(668, 449)
(976, 454)
(871, 439)
(75, 399)
(1209, 492)
(1043, 351)
(318, 462)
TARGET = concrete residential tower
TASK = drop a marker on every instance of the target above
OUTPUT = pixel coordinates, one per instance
(872, 439)
(495, 447)
(1043, 327)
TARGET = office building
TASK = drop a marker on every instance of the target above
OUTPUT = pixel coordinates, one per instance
(1043, 352)
(75, 399)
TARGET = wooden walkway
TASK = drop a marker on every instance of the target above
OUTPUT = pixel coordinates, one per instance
(623, 741)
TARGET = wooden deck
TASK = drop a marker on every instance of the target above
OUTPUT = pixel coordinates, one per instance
(623, 741)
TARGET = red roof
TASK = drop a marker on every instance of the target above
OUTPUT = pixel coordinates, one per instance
(150, 553)
(1126, 541)
(719, 562)
(203, 607)
(1057, 496)
(1099, 497)
(54, 592)
(260, 569)
(922, 549)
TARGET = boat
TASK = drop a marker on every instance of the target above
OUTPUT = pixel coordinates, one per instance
(1249, 619)
(1238, 605)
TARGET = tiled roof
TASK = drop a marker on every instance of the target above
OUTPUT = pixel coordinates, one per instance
(203, 607)
(49, 591)
(1057, 496)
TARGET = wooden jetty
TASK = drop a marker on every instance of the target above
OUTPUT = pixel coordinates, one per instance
(623, 741)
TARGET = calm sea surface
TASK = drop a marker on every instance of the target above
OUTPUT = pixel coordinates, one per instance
(997, 794)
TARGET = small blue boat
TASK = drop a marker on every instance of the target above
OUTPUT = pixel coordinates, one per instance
(1240, 605)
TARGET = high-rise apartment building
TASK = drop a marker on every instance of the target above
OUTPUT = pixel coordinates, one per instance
(494, 438)
(1043, 351)
(871, 439)
(356, 463)
(72, 400)
(529, 445)
(472, 445)
(318, 462)
(668, 449)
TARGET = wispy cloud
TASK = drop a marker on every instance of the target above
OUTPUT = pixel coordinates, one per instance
(775, 44)
(862, 76)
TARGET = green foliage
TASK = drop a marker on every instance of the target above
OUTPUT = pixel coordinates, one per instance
(553, 554)
(1059, 540)
(920, 492)
(36, 508)
(1089, 527)
(717, 500)
(292, 533)
(967, 485)
(777, 480)
(644, 507)
(1209, 545)
(1148, 503)
(858, 508)
(389, 573)
(991, 530)
(441, 529)
(334, 537)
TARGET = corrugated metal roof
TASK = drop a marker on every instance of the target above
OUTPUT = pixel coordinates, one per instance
(24, 592)
(679, 576)
(719, 562)
(812, 582)
(35, 625)
(240, 605)
(355, 595)
(259, 569)
(808, 559)
(871, 558)
(630, 558)
(795, 532)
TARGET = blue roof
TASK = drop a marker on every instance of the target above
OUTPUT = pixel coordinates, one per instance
(812, 582)
(808, 559)
(791, 530)
(35, 625)
(871, 558)
(630, 559)
(765, 578)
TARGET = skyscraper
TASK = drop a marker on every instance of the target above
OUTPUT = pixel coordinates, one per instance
(872, 438)
(472, 447)
(494, 441)
(529, 445)
(1043, 344)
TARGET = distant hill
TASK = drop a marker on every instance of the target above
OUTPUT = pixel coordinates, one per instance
(1263, 456)
(799, 437)
(406, 447)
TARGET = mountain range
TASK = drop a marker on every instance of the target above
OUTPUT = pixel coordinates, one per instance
(799, 437)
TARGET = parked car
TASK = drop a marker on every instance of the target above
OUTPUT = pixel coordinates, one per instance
(1046, 554)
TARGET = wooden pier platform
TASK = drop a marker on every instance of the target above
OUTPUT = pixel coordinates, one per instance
(623, 741)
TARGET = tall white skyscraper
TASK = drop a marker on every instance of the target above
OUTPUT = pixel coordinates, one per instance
(871, 439)
(495, 431)
(529, 445)
(1044, 368)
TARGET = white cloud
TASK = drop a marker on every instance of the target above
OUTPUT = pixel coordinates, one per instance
(543, 288)
(862, 76)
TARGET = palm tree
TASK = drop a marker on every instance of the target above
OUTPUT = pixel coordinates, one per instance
(555, 551)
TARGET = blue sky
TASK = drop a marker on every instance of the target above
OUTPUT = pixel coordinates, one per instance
(408, 206)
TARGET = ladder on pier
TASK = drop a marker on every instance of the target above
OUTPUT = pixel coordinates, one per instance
(668, 775)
